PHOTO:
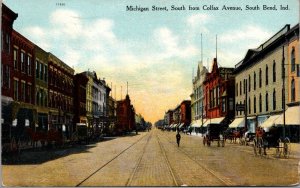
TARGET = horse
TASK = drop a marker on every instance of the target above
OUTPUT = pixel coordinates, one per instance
(36, 136)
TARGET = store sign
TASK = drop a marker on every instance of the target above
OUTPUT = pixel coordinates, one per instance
(240, 107)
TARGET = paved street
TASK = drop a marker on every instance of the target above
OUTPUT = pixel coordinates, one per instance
(151, 159)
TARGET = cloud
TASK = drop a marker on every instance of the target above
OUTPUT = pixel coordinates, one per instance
(197, 22)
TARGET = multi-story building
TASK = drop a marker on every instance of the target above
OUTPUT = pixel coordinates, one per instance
(60, 94)
(112, 114)
(197, 103)
(23, 82)
(168, 118)
(41, 88)
(262, 85)
(125, 116)
(185, 114)
(8, 18)
(219, 95)
(80, 82)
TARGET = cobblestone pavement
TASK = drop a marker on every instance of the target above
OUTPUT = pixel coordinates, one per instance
(152, 159)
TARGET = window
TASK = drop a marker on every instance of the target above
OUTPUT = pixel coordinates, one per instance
(217, 95)
(15, 59)
(29, 67)
(254, 104)
(29, 93)
(37, 97)
(267, 75)
(249, 105)
(249, 83)
(23, 62)
(41, 71)
(240, 87)
(293, 60)
(267, 102)
(223, 105)
(254, 81)
(45, 73)
(260, 103)
(274, 100)
(293, 94)
(244, 86)
(260, 78)
(237, 89)
(37, 69)
(16, 90)
(6, 76)
(23, 91)
(282, 101)
(274, 71)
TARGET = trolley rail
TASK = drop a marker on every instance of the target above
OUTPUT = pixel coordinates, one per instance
(224, 181)
(104, 165)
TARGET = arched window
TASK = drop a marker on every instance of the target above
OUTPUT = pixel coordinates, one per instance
(237, 89)
(267, 102)
(240, 87)
(254, 81)
(274, 100)
(267, 75)
(260, 78)
(274, 71)
(260, 104)
(293, 60)
(293, 94)
(254, 104)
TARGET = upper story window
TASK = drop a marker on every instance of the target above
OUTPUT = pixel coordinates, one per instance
(29, 65)
(23, 68)
(254, 81)
(293, 91)
(293, 60)
(249, 83)
(260, 103)
(237, 89)
(260, 78)
(267, 102)
(240, 87)
(254, 104)
(15, 59)
(274, 100)
(274, 71)
(267, 75)
(37, 64)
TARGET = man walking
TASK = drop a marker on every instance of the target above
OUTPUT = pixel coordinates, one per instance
(178, 138)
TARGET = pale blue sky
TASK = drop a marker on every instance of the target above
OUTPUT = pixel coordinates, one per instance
(154, 51)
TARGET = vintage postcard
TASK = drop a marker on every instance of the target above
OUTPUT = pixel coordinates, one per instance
(150, 93)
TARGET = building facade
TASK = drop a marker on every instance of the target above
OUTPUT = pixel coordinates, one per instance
(8, 18)
(219, 95)
(197, 97)
(266, 88)
(23, 82)
(125, 116)
(60, 93)
(185, 114)
(41, 88)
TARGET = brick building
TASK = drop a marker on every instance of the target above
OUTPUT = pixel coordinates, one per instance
(125, 116)
(60, 94)
(219, 95)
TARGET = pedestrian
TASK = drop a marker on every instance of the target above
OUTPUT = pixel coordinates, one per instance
(178, 138)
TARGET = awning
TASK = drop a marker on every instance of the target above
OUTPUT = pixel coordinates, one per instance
(238, 122)
(269, 122)
(292, 116)
(213, 121)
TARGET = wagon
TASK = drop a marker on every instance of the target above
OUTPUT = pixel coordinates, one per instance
(82, 132)
(271, 139)
(214, 133)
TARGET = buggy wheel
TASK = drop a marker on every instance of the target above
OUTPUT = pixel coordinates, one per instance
(286, 147)
(277, 150)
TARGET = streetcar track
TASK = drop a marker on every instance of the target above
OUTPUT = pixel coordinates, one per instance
(226, 182)
(138, 163)
(105, 164)
(168, 162)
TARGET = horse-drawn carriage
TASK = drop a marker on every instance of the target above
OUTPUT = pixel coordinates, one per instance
(271, 139)
(214, 133)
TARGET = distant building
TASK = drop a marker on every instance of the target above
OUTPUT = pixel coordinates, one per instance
(185, 114)
(125, 116)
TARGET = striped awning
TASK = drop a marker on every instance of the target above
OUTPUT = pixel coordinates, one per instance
(270, 121)
(238, 122)
(213, 121)
(292, 116)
